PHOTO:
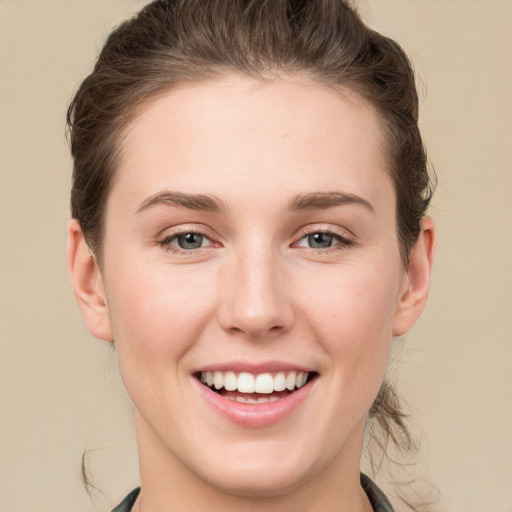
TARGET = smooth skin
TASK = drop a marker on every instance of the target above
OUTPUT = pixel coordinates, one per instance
(295, 259)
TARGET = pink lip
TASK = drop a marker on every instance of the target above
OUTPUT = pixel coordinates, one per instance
(254, 368)
(255, 415)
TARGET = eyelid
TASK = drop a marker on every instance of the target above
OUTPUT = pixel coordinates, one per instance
(164, 241)
(346, 237)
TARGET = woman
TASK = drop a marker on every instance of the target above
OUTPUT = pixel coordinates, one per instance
(248, 229)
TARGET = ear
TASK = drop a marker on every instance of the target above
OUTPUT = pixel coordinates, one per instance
(88, 283)
(414, 290)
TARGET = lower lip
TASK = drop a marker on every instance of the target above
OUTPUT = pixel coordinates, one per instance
(255, 415)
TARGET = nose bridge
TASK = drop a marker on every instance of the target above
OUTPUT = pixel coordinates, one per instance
(255, 301)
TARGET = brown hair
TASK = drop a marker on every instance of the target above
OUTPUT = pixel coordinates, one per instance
(174, 42)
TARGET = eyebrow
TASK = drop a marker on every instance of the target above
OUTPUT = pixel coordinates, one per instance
(210, 203)
(199, 202)
(324, 200)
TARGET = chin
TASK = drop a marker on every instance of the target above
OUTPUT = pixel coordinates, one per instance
(258, 483)
(258, 471)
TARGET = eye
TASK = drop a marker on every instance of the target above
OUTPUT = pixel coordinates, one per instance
(323, 240)
(188, 241)
(320, 240)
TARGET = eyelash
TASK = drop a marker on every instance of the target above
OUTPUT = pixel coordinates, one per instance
(167, 245)
(342, 241)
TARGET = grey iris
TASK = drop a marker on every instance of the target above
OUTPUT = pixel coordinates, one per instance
(320, 240)
(190, 241)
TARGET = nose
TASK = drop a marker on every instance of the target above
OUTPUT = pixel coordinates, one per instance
(255, 295)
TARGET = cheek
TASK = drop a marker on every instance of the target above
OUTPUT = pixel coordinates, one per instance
(157, 313)
(353, 318)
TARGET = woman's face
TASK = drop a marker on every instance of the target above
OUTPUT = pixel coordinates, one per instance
(251, 239)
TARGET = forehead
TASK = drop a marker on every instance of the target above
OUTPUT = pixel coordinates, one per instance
(287, 135)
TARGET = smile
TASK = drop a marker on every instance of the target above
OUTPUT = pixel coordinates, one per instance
(255, 395)
(254, 389)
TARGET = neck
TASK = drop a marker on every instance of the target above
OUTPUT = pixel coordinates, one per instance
(168, 485)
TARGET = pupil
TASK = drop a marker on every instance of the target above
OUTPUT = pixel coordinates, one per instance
(190, 241)
(320, 240)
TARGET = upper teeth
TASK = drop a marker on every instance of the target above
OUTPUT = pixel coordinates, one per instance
(261, 383)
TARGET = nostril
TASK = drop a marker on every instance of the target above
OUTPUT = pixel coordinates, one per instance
(257, 330)
(255, 306)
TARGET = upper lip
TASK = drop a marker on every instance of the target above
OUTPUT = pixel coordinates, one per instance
(254, 368)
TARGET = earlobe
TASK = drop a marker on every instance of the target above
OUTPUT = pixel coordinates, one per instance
(87, 283)
(414, 292)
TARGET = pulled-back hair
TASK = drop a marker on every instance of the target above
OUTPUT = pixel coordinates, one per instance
(174, 42)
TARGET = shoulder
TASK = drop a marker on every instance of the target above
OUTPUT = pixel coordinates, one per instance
(377, 498)
(127, 504)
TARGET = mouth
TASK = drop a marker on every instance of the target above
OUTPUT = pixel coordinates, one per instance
(254, 389)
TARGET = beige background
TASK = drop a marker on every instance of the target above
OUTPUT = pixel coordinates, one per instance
(60, 392)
